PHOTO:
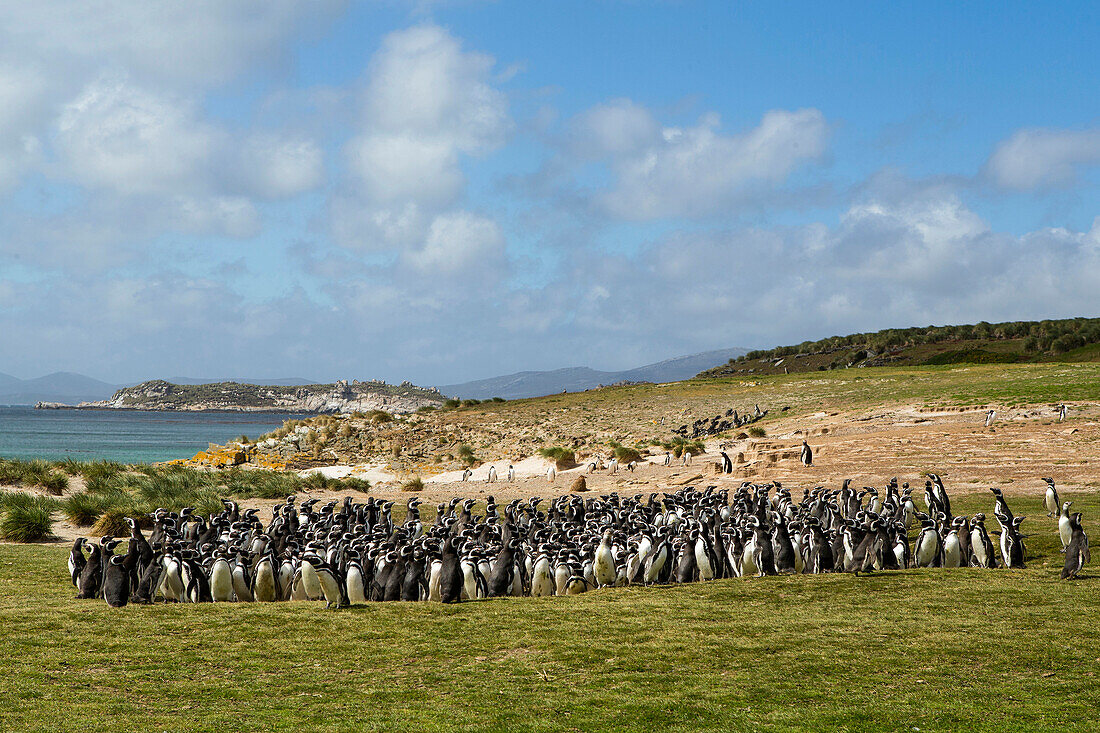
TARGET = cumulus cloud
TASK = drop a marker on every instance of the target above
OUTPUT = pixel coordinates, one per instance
(134, 141)
(458, 243)
(1038, 158)
(663, 172)
(426, 103)
(881, 264)
(198, 44)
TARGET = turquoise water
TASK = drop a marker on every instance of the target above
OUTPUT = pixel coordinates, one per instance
(122, 435)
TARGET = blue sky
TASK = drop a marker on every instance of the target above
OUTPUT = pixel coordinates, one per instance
(449, 191)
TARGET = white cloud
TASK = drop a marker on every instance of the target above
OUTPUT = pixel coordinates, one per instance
(426, 104)
(664, 172)
(1037, 158)
(197, 44)
(273, 166)
(460, 242)
(616, 128)
(133, 141)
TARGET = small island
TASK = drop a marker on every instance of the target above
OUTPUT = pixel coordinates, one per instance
(341, 396)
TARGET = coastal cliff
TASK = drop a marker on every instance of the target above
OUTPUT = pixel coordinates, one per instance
(340, 396)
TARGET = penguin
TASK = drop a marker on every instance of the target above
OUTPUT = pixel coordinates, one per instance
(511, 473)
(451, 577)
(1062, 411)
(331, 588)
(1012, 544)
(982, 552)
(265, 581)
(221, 580)
(77, 561)
(807, 455)
(116, 580)
(1077, 551)
(1065, 528)
(503, 571)
(242, 580)
(727, 464)
(952, 552)
(492, 477)
(89, 583)
(604, 563)
(542, 580)
(414, 584)
(356, 587)
(990, 417)
(171, 584)
(466, 474)
(306, 580)
(928, 552)
(551, 474)
(1000, 508)
(1051, 500)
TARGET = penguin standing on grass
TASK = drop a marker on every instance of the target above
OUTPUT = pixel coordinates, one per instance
(1077, 551)
(116, 582)
(77, 561)
(1050, 500)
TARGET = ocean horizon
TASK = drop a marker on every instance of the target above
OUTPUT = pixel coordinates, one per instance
(127, 436)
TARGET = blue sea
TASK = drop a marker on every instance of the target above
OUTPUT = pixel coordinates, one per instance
(128, 436)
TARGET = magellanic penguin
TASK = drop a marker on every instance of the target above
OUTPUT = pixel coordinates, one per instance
(265, 581)
(928, 552)
(604, 562)
(1077, 551)
(77, 561)
(221, 580)
(116, 581)
(1065, 530)
(807, 456)
(1051, 501)
(451, 577)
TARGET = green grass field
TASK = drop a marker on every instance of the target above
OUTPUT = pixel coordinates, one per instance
(968, 650)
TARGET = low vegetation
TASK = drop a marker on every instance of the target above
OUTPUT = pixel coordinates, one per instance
(1073, 339)
(113, 491)
(25, 517)
(563, 458)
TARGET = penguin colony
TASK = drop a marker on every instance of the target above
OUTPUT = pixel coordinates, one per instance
(355, 552)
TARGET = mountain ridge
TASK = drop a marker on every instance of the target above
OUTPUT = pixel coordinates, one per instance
(534, 383)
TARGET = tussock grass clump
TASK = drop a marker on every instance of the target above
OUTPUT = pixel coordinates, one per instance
(563, 458)
(112, 523)
(413, 484)
(758, 432)
(679, 446)
(451, 404)
(84, 508)
(465, 454)
(55, 483)
(32, 473)
(25, 517)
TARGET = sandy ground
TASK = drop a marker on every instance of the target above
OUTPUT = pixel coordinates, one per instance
(1021, 447)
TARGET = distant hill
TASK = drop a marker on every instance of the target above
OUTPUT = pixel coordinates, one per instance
(1068, 340)
(577, 379)
(56, 387)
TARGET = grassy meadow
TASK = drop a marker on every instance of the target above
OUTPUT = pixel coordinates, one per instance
(921, 650)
